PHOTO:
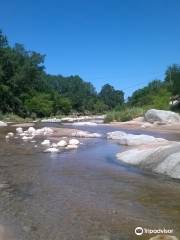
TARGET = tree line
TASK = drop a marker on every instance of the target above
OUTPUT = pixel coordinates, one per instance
(28, 91)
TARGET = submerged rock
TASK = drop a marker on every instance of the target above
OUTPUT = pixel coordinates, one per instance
(133, 140)
(154, 115)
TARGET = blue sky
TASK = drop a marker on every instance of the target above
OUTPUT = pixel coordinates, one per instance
(125, 43)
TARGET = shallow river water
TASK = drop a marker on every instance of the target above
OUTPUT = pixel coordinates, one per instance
(81, 194)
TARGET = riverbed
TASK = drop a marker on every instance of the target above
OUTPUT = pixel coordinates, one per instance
(82, 194)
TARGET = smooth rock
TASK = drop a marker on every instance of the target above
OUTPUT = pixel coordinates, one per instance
(52, 149)
(163, 159)
(25, 138)
(54, 145)
(19, 130)
(154, 115)
(10, 134)
(46, 142)
(132, 139)
(3, 124)
(72, 146)
(31, 130)
(170, 166)
(62, 143)
(74, 141)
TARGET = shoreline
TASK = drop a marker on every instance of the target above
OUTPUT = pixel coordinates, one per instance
(172, 128)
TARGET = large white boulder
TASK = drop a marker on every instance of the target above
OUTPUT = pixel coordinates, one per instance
(3, 124)
(164, 159)
(132, 139)
(154, 115)
(170, 165)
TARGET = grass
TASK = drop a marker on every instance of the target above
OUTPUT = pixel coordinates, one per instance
(10, 117)
(124, 115)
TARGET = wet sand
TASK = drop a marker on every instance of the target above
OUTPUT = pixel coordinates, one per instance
(81, 194)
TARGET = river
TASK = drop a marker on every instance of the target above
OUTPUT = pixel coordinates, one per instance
(83, 194)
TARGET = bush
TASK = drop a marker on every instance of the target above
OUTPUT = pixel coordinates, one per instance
(126, 114)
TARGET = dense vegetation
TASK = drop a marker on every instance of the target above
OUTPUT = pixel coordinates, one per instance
(28, 91)
(157, 94)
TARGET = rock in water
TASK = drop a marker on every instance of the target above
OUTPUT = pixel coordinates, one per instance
(51, 149)
(154, 115)
(46, 142)
(19, 130)
(132, 139)
(31, 130)
(163, 159)
(164, 237)
(72, 146)
(62, 143)
(3, 124)
(170, 165)
(74, 141)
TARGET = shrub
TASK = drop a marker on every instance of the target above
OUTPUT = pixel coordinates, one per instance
(126, 114)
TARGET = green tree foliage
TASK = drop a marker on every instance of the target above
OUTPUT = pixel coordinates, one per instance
(40, 104)
(26, 89)
(173, 79)
(155, 94)
(110, 96)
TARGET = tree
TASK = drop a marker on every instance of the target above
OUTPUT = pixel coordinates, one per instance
(39, 104)
(3, 40)
(110, 96)
(172, 78)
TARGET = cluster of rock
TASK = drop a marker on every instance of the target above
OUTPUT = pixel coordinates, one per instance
(154, 154)
(31, 133)
(74, 119)
(134, 140)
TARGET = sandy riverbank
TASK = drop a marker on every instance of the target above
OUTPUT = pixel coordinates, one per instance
(167, 128)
